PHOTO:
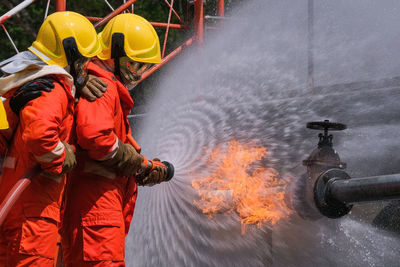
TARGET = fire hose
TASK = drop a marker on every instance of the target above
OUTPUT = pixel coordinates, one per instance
(16, 192)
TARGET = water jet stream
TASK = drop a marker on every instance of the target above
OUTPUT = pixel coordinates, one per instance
(250, 83)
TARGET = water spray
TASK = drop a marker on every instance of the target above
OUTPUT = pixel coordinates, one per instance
(326, 189)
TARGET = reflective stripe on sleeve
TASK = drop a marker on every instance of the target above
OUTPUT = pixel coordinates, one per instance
(52, 155)
(113, 151)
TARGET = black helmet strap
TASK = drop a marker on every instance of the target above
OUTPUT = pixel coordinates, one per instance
(117, 51)
(72, 53)
(71, 50)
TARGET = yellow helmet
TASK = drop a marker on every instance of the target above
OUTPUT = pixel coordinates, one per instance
(132, 36)
(3, 117)
(65, 37)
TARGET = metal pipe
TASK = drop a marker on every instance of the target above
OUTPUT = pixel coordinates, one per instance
(173, 10)
(61, 5)
(9, 38)
(114, 13)
(15, 10)
(164, 25)
(155, 24)
(16, 192)
(167, 30)
(215, 17)
(198, 21)
(220, 8)
(366, 189)
(109, 5)
(167, 58)
(46, 12)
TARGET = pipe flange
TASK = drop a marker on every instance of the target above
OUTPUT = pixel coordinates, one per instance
(329, 207)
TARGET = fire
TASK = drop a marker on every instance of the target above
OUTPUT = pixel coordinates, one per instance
(238, 184)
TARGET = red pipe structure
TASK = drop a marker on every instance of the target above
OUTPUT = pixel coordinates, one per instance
(173, 10)
(167, 30)
(114, 13)
(155, 24)
(164, 25)
(15, 10)
(220, 8)
(199, 21)
(170, 56)
(61, 5)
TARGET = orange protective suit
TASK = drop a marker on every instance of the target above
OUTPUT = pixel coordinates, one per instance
(99, 204)
(29, 233)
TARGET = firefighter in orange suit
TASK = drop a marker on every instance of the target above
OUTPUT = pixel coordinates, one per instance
(101, 191)
(29, 233)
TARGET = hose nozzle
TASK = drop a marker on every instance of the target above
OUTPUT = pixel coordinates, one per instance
(151, 165)
(170, 170)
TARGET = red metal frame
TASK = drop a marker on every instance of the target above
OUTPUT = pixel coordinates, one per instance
(167, 30)
(221, 8)
(114, 13)
(170, 56)
(61, 5)
(155, 24)
(199, 21)
(15, 10)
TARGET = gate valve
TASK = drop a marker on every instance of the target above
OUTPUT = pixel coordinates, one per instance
(324, 155)
(321, 159)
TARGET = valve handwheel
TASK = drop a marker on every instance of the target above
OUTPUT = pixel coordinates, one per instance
(326, 125)
(325, 139)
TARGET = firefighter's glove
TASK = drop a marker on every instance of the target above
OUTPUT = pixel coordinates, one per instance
(157, 175)
(29, 91)
(127, 160)
(93, 89)
(70, 159)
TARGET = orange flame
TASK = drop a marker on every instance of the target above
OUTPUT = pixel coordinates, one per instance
(238, 184)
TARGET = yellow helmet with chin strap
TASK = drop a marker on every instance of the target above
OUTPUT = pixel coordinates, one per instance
(132, 36)
(65, 37)
(3, 117)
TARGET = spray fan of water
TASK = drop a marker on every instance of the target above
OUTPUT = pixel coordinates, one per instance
(249, 83)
